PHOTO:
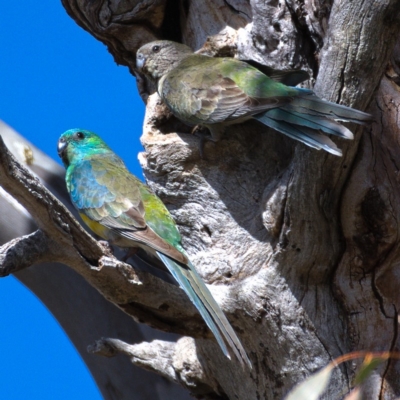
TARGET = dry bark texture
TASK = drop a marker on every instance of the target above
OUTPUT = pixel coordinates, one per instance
(300, 247)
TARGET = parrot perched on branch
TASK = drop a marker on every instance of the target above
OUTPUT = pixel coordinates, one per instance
(121, 209)
(217, 92)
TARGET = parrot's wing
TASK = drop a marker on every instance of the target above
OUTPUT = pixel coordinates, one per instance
(289, 77)
(103, 192)
(110, 195)
(206, 90)
(149, 238)
(226, 101)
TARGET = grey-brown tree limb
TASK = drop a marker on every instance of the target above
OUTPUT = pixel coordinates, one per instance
(300, 247)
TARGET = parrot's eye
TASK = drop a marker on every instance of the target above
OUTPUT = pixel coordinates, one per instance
(79, 135)
(156, 49)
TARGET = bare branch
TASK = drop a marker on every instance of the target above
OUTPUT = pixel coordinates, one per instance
(156, 356)
(23, 252)
(175, 361)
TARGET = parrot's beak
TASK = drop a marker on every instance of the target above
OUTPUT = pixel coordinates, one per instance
(61, 147)
(140, 60)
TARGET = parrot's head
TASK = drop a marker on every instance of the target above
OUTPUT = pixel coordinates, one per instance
(155, 59)
(77, 144)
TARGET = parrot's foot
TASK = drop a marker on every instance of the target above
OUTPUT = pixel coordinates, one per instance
(129, 253)
(106, 247)
(204, 135)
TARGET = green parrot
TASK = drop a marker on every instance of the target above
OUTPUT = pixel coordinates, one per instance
(217, 92)
(118, 207)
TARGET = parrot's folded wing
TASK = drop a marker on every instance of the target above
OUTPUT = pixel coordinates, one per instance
(289, 77)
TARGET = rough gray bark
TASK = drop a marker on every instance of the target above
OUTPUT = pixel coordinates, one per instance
(300, 246)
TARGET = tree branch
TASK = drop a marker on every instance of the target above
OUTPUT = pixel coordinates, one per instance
(23, 252)
(175, 361)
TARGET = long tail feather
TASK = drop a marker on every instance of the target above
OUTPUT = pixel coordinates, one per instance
(307, 115)
(198, 293)
(314, 122)
(307, 102)
(303, 134)
(216, 313)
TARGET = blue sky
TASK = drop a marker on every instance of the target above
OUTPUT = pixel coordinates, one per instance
(55, 76)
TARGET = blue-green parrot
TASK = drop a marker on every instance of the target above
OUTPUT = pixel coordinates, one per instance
(121, 209)
(217, 92)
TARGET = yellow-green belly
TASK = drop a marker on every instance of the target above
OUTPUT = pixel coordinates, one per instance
(97, 228)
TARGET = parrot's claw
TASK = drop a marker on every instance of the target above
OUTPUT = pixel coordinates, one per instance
(204, 135)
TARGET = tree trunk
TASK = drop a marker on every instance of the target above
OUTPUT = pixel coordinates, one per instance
(299, 247)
